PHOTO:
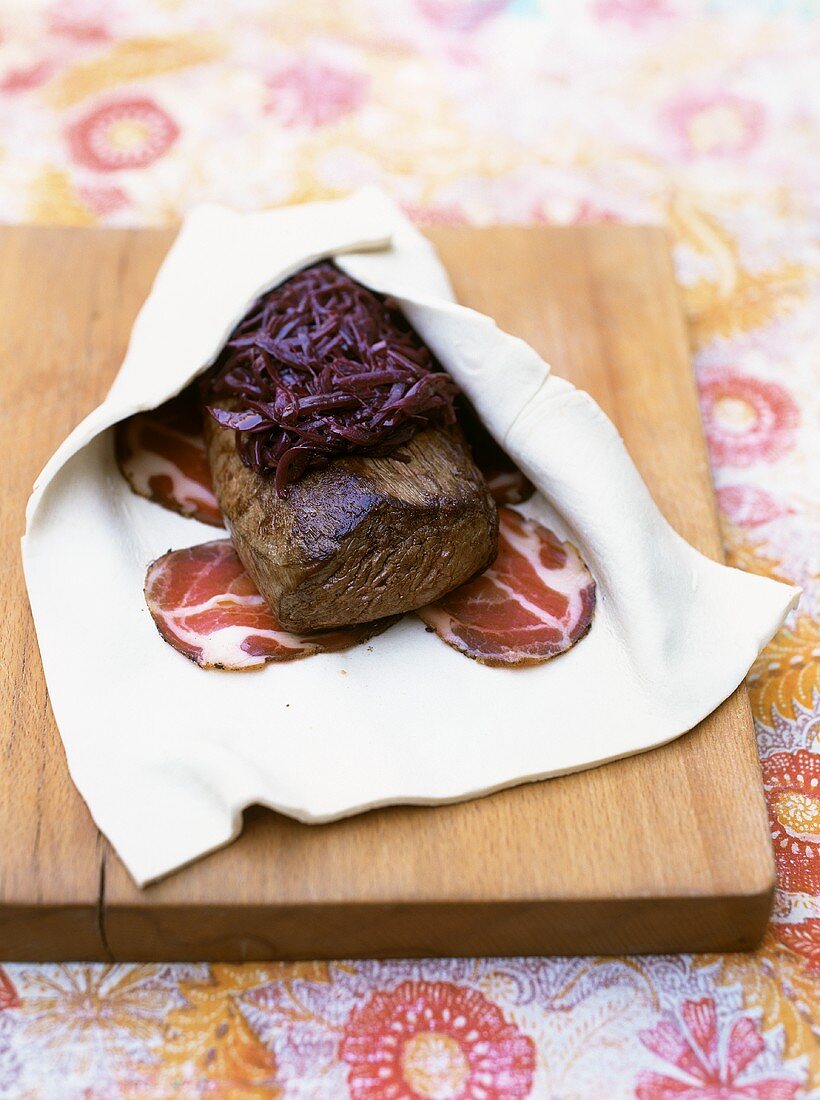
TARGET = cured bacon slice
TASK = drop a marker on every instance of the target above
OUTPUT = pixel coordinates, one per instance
(162, 456)
(535, 601)
(206, 606)
(507, 485)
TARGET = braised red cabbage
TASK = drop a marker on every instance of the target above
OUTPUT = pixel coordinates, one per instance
(321, 367)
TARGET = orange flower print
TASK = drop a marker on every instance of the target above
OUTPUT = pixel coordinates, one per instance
(746, 419)
(314, 93)
(131, 132)
(714, 123)
(435, 1039)
(791, 781)
(708, 1066)
(804, 939)
(785, 678)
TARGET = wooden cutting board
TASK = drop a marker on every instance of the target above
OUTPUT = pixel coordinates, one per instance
(666, 851)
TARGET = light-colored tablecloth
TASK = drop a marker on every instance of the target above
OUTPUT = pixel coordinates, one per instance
(697, 116)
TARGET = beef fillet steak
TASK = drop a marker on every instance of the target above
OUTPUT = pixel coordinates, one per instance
(363, 537)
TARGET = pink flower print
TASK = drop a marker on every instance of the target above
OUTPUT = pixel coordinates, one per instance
(435, 1039)
(314, 93)
(748, 506)
(27, 76)
(130, 132)
(460, 15)
(715, 124)
(591, 213)
(435, 214)
(803, 938)
(746, 419)
(708, 1069)
(80, 20)
(8, 994)
(635, 13)
(103, 200)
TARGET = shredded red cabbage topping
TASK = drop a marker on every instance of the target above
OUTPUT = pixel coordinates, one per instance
(321, 367)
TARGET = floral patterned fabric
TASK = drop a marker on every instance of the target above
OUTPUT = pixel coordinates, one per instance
(694, 115)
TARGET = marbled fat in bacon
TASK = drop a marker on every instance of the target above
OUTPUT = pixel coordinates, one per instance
(508, 485)
(534, 602)
(162, 455)
(206, 606)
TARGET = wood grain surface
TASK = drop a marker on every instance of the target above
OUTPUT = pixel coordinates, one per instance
(666, 851)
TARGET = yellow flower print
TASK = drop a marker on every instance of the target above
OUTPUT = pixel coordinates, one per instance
(130, 60)
(210, 1040)
(732, 299)
(76, 1005)
(743, 553)
(53, 200)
